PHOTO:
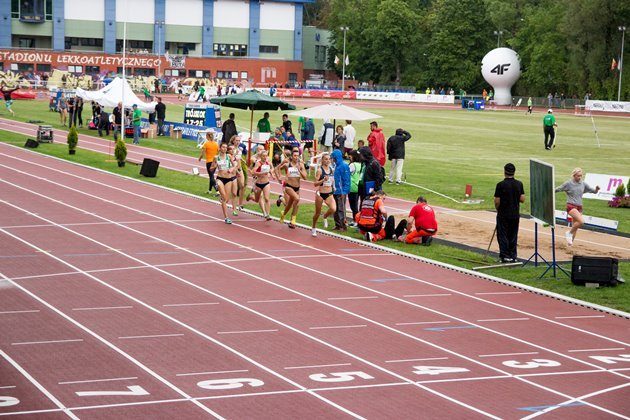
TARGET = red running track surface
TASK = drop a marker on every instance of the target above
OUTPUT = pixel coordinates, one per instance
(120, 299)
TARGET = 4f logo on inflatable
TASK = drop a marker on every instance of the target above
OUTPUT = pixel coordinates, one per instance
(500, 68)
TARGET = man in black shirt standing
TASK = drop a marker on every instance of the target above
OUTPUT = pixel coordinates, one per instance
(508, 195)
(228, 128)
(118, 120)
(160, 111)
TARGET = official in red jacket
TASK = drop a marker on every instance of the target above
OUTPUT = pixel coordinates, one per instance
(421, 224)
(376, 141)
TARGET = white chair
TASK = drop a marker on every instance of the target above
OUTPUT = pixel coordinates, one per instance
(314, 163)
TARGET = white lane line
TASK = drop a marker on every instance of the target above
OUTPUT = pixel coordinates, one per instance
(39, 386)
(7, 387)
(570, 372)
(498, 293)
(423, 322)
(338, 326)
(165, 315)
(502, 319)
(608, 349)
(102, 308)
(352, 298)
(340, 279)
(97, 380)
(416, 360)
(131, 337)
(476, 378)
(317, 366)
(190, 304)
(211, 373)
(246, 332)
(19, 312)
(46, 342)
(580, 316)
(273, 301)
(429, 295)
(507, 354)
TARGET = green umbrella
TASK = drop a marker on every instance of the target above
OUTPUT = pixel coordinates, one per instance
(253, 100)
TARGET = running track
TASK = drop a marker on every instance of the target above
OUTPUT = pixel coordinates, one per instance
(122, 299)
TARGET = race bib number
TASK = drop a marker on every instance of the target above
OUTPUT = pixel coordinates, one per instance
(264, 169)
(293, 172)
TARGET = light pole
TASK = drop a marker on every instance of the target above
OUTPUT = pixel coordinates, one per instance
(159, 24)
(343, 64)
(498, 34)
(622, 29)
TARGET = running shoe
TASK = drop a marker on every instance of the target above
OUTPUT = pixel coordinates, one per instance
(369, 237)
(228, 221)
(291, 226)
(267, 217)
(326, 223)
(569, 238)
(314, 233)
(427, 240)
(235, 213)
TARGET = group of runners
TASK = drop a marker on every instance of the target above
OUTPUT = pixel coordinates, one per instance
(228, 173)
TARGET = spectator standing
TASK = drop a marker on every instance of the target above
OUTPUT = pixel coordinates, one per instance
(103, 122)
(508, 195)
(350, 134)
(228, 129)
(376, 140)
(156, 83)
(356, 174)
(340, 139)
(118, 119)
(286, 123)
(71, 112)
(308, 135)
(341, 190)
(549, 124)
(62, 106)
(264, 126)
(550, 100)
(135, 119)
(326, 136)
(78, 107)
(396, 153)
(160, 112)
(372, 173)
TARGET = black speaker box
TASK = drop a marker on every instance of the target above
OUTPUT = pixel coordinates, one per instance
(149, 167)
(31, 143)
(601, 270)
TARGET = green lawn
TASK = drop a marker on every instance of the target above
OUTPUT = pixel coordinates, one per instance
(617, 297)
(452, 148)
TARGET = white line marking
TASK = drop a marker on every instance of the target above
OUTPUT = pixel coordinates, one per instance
(581, 316)
(477, 378)
(423, 322)
(273, 301)
(429, 295)
(47, 342)
(349, 282)
(190, 304)
(245, 332)
(39, 386)
(97, 380)
(211, 373)
(338, 326)
(102, 308)
(498, 293)
(507, 354)
(7, 387)
(352, 298)
(502, 319)
(149, 336)
(19, 312)
(416, 360)
(317, 366)
(609, 349)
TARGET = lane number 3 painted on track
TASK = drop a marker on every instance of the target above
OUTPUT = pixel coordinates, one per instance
(535, 363)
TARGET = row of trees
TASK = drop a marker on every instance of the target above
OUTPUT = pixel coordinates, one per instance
(565, 45)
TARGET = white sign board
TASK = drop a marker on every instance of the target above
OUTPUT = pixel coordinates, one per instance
(607, 106)
(607, 183)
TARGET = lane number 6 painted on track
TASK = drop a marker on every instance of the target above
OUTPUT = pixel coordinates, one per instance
(231, 383)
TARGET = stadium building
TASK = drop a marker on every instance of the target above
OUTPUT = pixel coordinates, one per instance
(262, 42)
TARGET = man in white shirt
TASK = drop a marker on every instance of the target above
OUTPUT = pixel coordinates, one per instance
(350, 134)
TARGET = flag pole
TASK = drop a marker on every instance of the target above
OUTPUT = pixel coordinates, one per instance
(124, 77)
(343, 59)
(622, 29)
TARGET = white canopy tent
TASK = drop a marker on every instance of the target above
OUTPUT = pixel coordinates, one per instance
(110, 95)
(335, 111)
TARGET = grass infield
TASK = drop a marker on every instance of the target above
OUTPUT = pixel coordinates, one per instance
(614, 297)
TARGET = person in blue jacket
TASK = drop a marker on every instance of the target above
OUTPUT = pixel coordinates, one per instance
(342, 188)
